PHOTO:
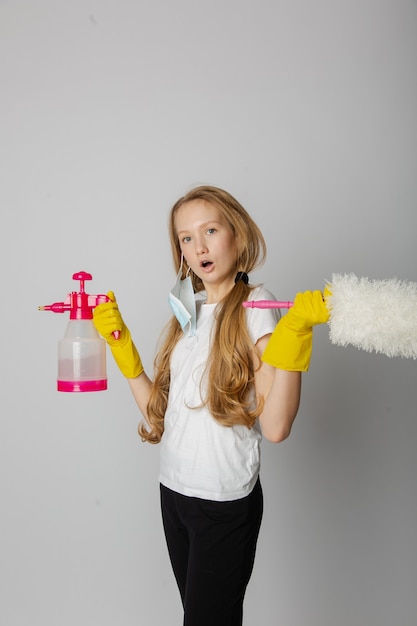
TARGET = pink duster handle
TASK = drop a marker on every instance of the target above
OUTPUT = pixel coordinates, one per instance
(267, 304)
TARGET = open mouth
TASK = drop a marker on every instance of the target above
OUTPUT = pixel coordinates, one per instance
(206, 264)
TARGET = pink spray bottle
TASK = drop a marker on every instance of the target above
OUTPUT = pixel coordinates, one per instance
(82, 352)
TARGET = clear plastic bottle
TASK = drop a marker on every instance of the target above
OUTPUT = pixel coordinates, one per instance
(82, 358)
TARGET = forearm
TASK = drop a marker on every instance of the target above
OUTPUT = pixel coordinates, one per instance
(141, 389)
(281, 405)
(107, 320)
(288, 352)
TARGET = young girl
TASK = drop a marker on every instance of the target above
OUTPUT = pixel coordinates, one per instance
(224, 377)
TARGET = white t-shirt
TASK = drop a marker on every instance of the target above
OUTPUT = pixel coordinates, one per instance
(198, 456)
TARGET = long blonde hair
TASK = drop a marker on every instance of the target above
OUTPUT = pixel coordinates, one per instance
(232, 363)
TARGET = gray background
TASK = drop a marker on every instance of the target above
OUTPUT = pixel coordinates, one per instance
(110, 110)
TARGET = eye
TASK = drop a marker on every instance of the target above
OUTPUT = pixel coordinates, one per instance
(186, 239)
(211, 231)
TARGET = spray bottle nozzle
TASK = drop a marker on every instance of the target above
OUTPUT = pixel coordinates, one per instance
(56, 307)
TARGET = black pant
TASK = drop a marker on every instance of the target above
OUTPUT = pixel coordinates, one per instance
(212, 549)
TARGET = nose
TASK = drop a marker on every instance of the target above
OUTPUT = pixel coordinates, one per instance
(200, 246)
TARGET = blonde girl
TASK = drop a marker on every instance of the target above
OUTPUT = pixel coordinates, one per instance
(224, 376)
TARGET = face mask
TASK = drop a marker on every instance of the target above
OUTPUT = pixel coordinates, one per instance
(182, 302)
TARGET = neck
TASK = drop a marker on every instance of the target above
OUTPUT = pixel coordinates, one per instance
(216, 293)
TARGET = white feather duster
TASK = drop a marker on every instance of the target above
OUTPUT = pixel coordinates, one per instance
(373, 315)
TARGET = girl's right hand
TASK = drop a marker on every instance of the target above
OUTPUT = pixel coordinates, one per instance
(108, 320)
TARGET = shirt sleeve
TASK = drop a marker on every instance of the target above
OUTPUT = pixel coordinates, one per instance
(261, 322)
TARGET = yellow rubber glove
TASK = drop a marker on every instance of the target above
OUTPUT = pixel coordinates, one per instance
(107, 320)
(291, 343)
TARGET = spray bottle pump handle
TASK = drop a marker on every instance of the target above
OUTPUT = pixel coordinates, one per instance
(82, 277)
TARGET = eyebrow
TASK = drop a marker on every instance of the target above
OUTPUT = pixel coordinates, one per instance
(185, 230)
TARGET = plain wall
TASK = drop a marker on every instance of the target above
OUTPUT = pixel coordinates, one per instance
(111, 110)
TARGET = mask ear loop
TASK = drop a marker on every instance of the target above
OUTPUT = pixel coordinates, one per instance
(188, 272)
(179, 273)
